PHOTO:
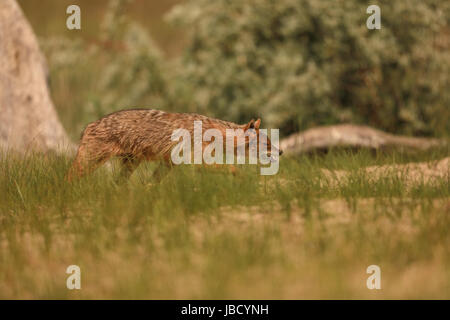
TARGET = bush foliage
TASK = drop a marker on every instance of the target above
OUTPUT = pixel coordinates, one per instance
(121, 68)
(299, 63)
(294, 63)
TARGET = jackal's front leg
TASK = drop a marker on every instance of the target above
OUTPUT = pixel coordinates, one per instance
(129, 165)
(161, 171)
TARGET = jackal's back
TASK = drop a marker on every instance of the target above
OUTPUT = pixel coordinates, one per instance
(145, 132)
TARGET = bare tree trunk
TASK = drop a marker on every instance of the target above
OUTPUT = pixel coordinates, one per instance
(353, 136)
(28, 119)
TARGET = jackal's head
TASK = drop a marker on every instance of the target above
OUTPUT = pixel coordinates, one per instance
(256, 138)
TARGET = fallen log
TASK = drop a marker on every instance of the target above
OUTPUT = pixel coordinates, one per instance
(352, 136)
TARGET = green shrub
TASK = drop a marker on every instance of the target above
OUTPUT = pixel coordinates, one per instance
(121, 68)
(298, 64)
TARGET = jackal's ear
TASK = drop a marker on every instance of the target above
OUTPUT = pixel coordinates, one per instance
(257, 124)
(250, 125)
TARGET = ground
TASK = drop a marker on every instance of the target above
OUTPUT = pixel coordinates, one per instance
(310, 231)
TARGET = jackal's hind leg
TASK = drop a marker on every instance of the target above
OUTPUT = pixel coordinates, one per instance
(86, 163)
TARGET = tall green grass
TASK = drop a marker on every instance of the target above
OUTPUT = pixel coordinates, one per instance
(204, 233)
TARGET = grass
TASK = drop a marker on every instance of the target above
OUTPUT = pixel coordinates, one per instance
(206, 234)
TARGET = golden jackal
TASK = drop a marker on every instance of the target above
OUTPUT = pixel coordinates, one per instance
(143, 134)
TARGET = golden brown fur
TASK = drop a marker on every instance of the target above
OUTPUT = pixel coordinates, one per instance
(137, 135)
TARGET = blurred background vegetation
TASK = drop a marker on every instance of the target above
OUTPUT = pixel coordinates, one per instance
(294, 63)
